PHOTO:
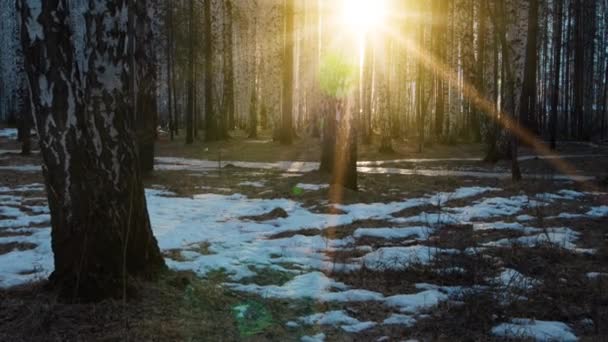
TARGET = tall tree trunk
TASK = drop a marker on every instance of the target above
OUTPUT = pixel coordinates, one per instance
(385, 109)
(492, 153)
(420, 110)
(169, 32)
(528, 96)
(605, 103)
(176, 113)
(440, 26)
(567, 81)
(253, 114)
(513, 48)
(344, 173)
(579, 68)
(253, 104)
(229, 69)
(368, 68)
(286, 134)
(101, 234)
(328, 108)
(212, 131)
(190, 124)
(480, 80)
(557, 62)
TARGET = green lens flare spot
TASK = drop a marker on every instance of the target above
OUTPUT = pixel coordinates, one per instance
(252, 318)
(296, 191)
(337, 75)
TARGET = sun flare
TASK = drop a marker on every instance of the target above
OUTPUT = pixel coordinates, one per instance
(363, 16)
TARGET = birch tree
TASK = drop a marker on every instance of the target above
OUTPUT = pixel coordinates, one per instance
(79, 77)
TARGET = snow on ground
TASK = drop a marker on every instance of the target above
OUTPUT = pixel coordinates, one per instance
(469, 173)
(337, 318)
(10, 133)
(21, 168)
(413, 303)
(598, 211)
(562, 237)
(253, 184)
(540, 331)
(394, 233)
(400, 258)
(501, 225)
(240, 247)
(312, 187)
(316, 338)
(19, 267)
(399, 319)
(35, 261)
(485, 208)
(197, 165)
(510, 278)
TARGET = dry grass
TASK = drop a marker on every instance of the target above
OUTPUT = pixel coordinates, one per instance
(177, 308)
(304, 148)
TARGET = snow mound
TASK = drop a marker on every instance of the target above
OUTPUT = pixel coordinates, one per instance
(393, 233)
(337, 318)
(400, 258)
(412, 303)
(540, 331)
(312, 187)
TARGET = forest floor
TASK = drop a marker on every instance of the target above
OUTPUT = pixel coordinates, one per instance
(435, 246)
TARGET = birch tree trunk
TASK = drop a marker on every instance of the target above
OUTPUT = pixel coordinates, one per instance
(77, 67)
(286, 134)
(557, 54)
(513, 19)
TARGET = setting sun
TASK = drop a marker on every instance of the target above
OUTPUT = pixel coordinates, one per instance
(362, 16)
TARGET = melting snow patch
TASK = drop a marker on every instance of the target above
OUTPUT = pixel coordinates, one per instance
(492, 207)
(399, 319)
(412, 303)
(567, 216)
(316, 338)
(400, 258)
(337, 318)
(291, 175)
(501, 225)
(562, 237)
(482, 209)
(253, 184)
(23, 188)
(8, 133)
(20, 267)
(314, 285)
(596, 275)
(359, 327)
(524, 218)
(598, 211)
(312, 187)
(394, 233)
(310, 285)
(443, 197)
(510, 278)
(538, 330)
(184, 164)
(561, 195)
(21, 168)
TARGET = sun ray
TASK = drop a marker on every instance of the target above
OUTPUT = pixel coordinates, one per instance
(488, 107)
